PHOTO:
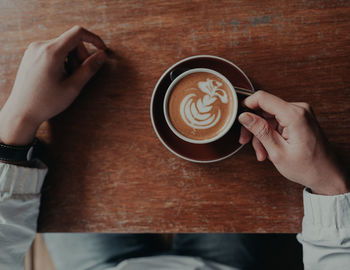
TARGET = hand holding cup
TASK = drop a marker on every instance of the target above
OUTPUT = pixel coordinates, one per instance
(289, 135)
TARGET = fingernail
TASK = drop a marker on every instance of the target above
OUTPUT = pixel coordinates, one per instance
(246, 120)
(259, 156)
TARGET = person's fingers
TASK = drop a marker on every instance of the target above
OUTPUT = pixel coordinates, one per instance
(71, 39)
(72, 62)
(302, 105)
(266, 115)
(272, 122)
(245, 136)
(82, 52)
(75, 58)
(88, 68)
(260, 128)
(270, 104)
(280, 130)
(260, 150)
(305, 106)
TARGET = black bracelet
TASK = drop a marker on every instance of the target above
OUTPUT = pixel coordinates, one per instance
(17, 154)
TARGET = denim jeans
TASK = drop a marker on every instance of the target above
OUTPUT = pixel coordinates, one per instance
(81, 251)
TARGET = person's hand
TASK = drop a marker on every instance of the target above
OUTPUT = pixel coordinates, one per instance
(51, 75)
(289, 135)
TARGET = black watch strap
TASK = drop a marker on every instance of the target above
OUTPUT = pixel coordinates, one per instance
(17, 154)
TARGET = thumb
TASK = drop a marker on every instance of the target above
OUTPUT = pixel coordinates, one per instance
(261, 129)
(87, 69)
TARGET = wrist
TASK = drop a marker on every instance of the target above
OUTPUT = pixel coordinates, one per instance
(16, 129)
(331, 191)
(334, 184)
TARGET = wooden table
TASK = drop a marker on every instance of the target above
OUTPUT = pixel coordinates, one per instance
(108, 170)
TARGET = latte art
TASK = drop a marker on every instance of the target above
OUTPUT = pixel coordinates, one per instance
(200, 106)
(198, 112)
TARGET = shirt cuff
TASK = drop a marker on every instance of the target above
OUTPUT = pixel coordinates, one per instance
(21, 180)
(326, 211)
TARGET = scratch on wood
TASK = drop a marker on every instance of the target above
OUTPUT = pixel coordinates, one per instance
(41, 27)
(260, 20)
(235, 24)
(185, 173)
(178, 209)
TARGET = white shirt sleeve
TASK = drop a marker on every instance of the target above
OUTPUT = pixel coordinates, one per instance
(325, 232)
(19, 208)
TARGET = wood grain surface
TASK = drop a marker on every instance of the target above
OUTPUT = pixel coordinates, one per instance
(108, 170)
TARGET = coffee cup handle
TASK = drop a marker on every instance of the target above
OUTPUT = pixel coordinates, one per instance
(243, 91)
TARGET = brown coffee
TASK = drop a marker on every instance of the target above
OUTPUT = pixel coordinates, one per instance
(200, 106)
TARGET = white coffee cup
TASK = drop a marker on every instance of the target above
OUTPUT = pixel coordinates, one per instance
(228, 124)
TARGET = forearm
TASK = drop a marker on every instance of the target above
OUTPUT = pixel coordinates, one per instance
(17, 128)
(43, 89)
(19, 208)
(326, 231)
